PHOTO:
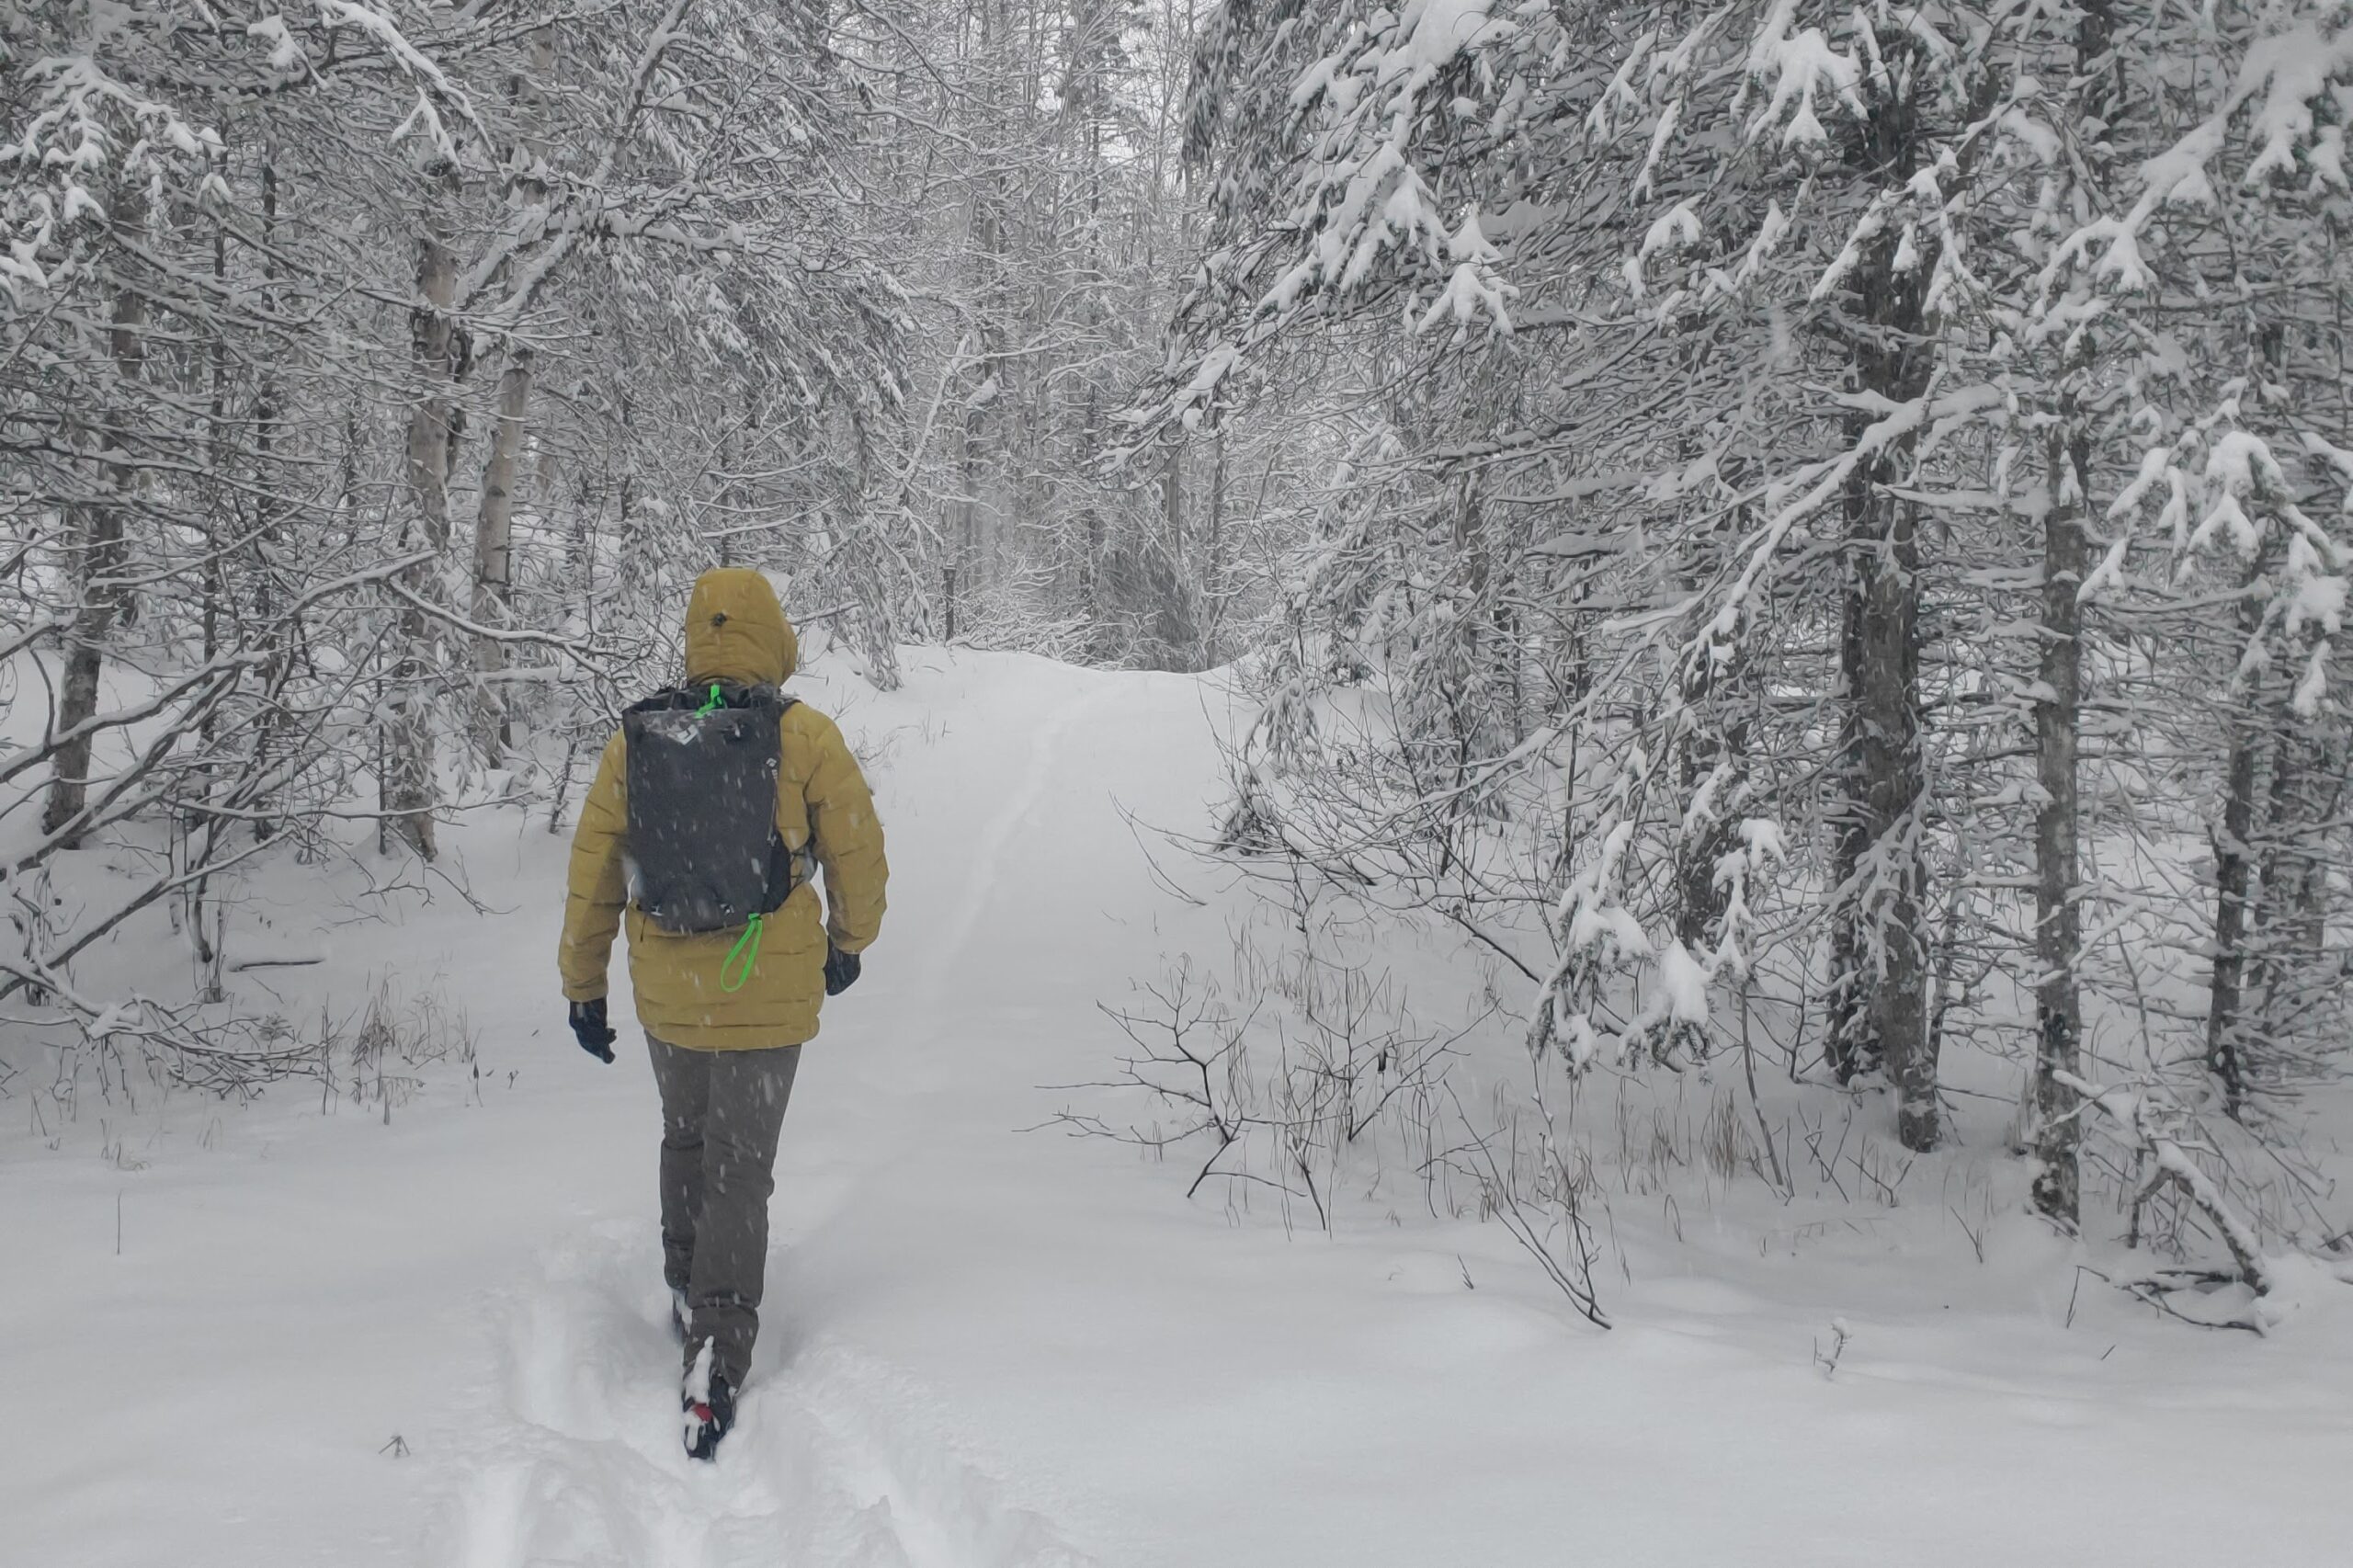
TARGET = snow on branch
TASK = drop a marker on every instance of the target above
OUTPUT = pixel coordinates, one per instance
(1363, 198)
(1801, 68)
(2282, 75)
(2155, 1131)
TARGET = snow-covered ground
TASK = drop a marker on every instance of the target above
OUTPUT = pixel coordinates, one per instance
(307, 1332)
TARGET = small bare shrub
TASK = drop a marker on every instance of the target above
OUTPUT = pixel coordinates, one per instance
(1325, 1077)
(396, 1038)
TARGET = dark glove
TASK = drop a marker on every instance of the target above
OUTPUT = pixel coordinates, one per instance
(588, 1025)
(841, 970)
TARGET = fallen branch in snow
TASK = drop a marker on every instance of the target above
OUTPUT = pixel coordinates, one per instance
(2143, 1121)
(195, 1054)
(2152, 1127)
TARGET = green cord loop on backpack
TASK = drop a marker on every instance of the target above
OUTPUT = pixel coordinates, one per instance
(747, 948)
(718, 701)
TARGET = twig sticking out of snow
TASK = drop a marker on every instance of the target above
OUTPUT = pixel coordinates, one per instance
(1571, 1267)
(1828, 1360)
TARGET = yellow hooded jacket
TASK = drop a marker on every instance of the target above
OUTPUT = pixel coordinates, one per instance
(735, 631)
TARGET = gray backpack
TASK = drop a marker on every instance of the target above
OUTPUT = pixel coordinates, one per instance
(703, 781)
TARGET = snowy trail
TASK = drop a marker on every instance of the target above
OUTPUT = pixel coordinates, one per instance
(988, 863)
(839, 1459)
(832, 1464)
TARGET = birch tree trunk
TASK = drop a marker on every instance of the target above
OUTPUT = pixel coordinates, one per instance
(494, 546)
(408, 784)
(493, 578)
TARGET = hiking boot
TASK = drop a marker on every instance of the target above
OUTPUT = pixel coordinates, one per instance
(708, 1420)
(707, 1406)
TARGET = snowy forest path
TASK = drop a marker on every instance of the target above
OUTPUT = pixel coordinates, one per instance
(1011, 861)
(991, 858)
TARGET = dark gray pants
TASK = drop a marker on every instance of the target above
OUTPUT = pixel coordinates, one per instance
(722, 1111)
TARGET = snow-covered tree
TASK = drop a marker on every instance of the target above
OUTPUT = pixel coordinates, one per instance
(1915, 426)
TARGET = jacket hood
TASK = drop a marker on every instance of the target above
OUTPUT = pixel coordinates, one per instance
(736, 630)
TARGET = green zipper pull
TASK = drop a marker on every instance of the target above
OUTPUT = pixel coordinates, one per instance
(715, 704)
(747, 948)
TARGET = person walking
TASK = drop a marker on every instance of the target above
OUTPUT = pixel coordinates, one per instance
(713, 807)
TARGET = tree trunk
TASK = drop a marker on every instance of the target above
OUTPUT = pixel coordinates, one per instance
(1893, 897)
(1847, 1038)
(433, 338)
(1176, 626)
(1213, 570)
(1715, 743)
(99, 559)
(2290, 981)
(2058, 919)
(407, 782)
(1879, 958)
(2058, 927)
(493, 546)
(266, 508)
(2233, 888)
(1879, 943)
(958, 573)
(493, 578)
(221, 507)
